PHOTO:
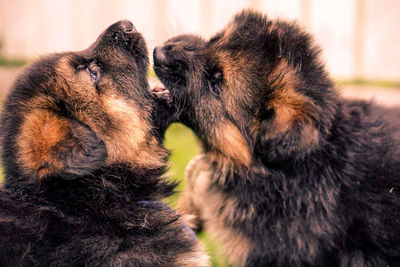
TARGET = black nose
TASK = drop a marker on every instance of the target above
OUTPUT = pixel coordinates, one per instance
(159, 53)
(127, 26)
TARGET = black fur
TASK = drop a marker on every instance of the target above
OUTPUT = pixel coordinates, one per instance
(322, 187)
(93, 210)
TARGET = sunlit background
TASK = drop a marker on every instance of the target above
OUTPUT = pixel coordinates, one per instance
(359, 40)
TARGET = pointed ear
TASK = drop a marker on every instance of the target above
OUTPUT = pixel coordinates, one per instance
(50, 145)
(288, 127)
(295, 141)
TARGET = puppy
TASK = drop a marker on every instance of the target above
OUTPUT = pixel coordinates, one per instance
(291, 174)
(83, 160)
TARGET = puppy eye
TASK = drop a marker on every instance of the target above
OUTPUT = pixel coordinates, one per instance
(214, 88)
(217, 76)
(215, 82)
(189, 48)
(94, 71)
(93, 74)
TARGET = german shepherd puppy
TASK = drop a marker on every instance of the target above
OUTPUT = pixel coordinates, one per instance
(291, 174)
(83, 162)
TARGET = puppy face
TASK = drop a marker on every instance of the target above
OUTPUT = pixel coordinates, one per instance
(71, 113)
(254, 90)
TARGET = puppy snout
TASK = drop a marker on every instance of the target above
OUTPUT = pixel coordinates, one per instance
(127, 26)
(159, 53)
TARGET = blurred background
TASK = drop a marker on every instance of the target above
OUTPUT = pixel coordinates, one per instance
(359, 40)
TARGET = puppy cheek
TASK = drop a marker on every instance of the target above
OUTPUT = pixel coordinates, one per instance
(130, 139)
(309, 137)
(296, 141)
(230, 141)
(50, 145)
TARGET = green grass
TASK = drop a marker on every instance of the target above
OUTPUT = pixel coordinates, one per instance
(1, 175)
(216, 257)
(184, 145)
(12, 63)
(370, 83)
(151, 73)
(1, 169)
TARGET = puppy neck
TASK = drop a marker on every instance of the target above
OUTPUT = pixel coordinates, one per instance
(119, 182)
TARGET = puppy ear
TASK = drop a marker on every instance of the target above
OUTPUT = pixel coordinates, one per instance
(295, 141)
(289, 119)
(50, 145)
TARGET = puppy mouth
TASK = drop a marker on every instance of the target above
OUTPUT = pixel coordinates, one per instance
(165, 110)
(161, 92)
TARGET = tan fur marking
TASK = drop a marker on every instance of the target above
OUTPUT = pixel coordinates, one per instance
(197, 258)
(289, 106)
(81, 78)
(78, 88)
(227, 33)
(233, 243)
(206, 202)
(232, 144)
(231, 65)
(40, 132)
(309, 135)
(197, 181)
(130, 139)
(73, 84)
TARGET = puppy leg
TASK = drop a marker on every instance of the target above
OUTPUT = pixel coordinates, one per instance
(189, 211)
(197, 177)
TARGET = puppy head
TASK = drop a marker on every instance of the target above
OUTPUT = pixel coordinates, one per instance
(256, 89)
(71, 113)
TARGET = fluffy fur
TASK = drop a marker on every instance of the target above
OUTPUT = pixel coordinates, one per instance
(83, 160)
(291, 174)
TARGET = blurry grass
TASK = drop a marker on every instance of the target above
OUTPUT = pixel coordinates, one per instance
(12, 63)
(370, 83)
(151, 73)
(216, 257)
(1, 169)
(184, 145)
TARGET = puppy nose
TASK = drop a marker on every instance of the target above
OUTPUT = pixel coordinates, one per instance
(159, 53)
(127, 26)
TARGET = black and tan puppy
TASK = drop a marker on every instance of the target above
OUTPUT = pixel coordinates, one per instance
(291, 174)
(83, 163)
